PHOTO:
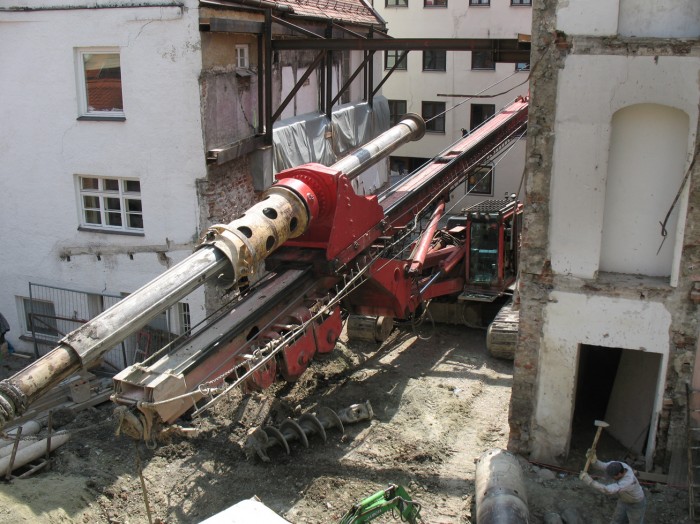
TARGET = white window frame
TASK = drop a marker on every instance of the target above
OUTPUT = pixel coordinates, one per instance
(102, 193)
(242, 56)
(83, 109)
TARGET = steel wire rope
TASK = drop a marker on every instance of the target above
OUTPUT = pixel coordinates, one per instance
(479, 94)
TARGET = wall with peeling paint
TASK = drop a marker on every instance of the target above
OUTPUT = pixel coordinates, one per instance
(587, 164)
(45, 146)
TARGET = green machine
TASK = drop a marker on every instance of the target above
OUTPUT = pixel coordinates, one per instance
(394, 499)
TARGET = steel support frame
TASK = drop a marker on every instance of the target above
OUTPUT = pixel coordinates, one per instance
(504, 50)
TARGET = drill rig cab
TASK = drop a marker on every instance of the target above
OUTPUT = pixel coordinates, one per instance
(492, 230)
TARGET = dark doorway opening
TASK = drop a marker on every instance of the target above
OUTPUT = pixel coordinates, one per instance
(617, 386)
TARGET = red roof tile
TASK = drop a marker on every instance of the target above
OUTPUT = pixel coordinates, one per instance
(346, 10)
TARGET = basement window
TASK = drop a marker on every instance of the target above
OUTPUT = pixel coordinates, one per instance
(110, 204)
(40, 318)
(434, 3)
(396, 3)
(521, 2)
(100, 84)
(480, 2)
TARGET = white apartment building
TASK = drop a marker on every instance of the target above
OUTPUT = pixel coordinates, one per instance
(111, 114)
(421, 83)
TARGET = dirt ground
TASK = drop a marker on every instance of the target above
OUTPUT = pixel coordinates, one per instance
(439, 403)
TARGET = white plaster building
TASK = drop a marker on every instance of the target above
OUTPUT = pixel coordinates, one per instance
(419, 86)
(109, 115)
(609, 319)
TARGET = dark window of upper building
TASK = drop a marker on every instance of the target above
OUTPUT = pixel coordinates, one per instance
(483, 60)
(434, 116)
(396, 3)
(394, 57)
(434, 60)
(397, 109)
(480, 2)
(520, 2)
(480, 113)
(434, 3)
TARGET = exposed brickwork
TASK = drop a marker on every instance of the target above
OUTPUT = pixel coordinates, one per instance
(549, 51)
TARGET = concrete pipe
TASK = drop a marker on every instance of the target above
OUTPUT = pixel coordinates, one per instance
(500, 489)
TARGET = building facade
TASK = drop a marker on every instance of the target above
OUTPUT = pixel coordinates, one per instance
(611, 245)
(455, 91)
(128, 129)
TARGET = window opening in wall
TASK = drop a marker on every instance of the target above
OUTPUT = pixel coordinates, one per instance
(483, 60)
(396, 3)
(110, 203)
(185, 319)
(520, 2)
(434, 3)
(479, 2)
(397, 109)
(434, 115)
(618, 386)
(434, 60)
(480, 113)
(480, 181)
(242, 60)
(40, 318)
(100, 84)
(393, 57)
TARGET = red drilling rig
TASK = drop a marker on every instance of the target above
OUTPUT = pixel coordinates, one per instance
(325, 250)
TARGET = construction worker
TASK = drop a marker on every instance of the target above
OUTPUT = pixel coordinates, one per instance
(631, 502)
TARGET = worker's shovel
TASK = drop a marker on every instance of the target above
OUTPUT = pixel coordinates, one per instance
(600, 424)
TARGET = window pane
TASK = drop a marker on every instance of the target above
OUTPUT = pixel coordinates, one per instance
(397, 108)
(480, 113)
(479, 2)
(397, 3)
(111, 184)
(433, 113)
(114, 219)
(392, 57)
(435, 3)
(103, 82)
(40, 317)
(483, 60)
(89, 183)
(133, 205)
(480, 181)
(132, 186)
(135, 221)
(91, 202)
(112, 204)
(92, 217)
(434, 60)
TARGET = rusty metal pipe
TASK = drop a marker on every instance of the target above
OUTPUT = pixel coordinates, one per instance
(411, 127)
(422, 248)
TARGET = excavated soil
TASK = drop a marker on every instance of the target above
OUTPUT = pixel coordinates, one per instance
(438, 402)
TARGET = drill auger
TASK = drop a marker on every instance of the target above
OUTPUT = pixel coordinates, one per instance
(263, 438)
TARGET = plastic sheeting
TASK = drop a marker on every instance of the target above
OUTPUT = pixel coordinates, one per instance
(305, 139)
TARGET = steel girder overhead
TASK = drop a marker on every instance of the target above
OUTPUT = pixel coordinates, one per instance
(281, 31)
